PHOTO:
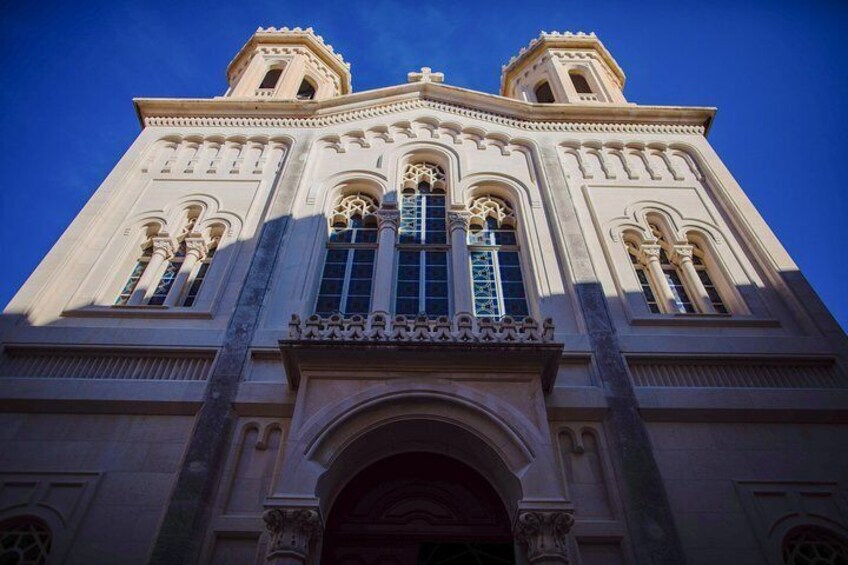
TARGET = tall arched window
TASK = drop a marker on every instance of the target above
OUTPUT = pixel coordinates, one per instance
(24, 541)
(201, 270)
(648, 291)
(306, 91)
(701, 269)
(175, 261)
(135, 275)
(581, 85)
(814, 546)
(544, 94)
(349, 266)
(422, 276)
(272, 77)
(498, 286)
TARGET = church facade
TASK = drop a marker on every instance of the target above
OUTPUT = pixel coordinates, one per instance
(421, 324)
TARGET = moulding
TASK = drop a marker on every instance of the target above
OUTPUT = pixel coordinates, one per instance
(610, 118)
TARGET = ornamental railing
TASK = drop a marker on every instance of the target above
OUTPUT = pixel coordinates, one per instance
(462, 328)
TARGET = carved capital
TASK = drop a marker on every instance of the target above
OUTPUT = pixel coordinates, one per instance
(164, 245)
(458, 220)
(543, 534)
(292, 532)
(681, 253)
(649, 252)
(388, 218)
(197, 246)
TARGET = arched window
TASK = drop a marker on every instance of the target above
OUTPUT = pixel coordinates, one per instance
(642, 275)
(581, 85)
(202, 269)
(422, 279)
(544, 94)
(497, 283)
(349, 265)
(24, 541)
(135, 275)
(175, 261)
(306, 90)
(814, 546)
(682, 303)
(271, 79)
(707, 281)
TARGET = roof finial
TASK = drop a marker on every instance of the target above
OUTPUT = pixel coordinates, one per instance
(426, 75)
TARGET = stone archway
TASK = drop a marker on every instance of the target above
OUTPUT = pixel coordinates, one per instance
(345, 434)
(418, 508)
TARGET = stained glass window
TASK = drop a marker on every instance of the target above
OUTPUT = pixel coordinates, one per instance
(497, 284)
(349, 265)
(422, 275)
(707, 281)
(135, 275)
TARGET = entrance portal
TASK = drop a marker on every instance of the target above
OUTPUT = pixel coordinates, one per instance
(418, 509)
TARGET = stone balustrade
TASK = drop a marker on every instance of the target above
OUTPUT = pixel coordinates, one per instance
(379, 327)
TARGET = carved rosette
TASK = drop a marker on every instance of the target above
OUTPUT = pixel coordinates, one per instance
(543, 533)
(292, 532)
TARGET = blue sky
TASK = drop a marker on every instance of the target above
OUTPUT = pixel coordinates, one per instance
(775, 70)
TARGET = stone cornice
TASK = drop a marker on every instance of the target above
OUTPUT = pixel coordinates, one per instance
(236, 112)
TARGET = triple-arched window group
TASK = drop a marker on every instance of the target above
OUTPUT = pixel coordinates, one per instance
(423, 252)
(674, 279)
(171, 271)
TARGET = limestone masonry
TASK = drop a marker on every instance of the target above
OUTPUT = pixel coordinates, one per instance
(421, 324)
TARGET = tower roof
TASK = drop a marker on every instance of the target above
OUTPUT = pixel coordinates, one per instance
(289, 36)
(565, 39)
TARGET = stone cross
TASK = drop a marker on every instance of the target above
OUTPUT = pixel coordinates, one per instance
(426, 75)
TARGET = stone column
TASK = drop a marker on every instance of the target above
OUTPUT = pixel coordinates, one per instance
(292, 532)
(682, 257)
(543, 535)
(649, 255)
(389, 219)
(195, 251)
(460, 262)
(163, 247)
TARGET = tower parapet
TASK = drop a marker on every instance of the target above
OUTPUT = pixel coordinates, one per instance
(287, 64)
(572, 68)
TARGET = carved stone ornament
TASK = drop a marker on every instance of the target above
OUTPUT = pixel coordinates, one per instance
(388, 218)
(543, 533)
(164, 245)
(462, 328)
(292, 531)
(458, 220)
(196, 245)
(680, 253)
(649, 251)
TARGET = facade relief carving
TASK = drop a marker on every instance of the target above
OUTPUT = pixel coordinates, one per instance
(543, 534)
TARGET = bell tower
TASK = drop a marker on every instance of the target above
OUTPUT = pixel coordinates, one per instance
(564, 68)
(287, 64)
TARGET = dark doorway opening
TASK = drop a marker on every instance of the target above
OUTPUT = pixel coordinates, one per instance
(418, 509)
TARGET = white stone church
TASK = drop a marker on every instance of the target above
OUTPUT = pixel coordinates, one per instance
(421, 325)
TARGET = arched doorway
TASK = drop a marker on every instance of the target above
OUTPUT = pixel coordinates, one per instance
(417, 509)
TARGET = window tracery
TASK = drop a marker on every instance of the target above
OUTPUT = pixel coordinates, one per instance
(349, 264)
(422, 275)
(498, 286)
(24, 541)
(814, 546)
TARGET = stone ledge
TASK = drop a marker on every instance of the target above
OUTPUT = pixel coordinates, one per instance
(101, 397)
